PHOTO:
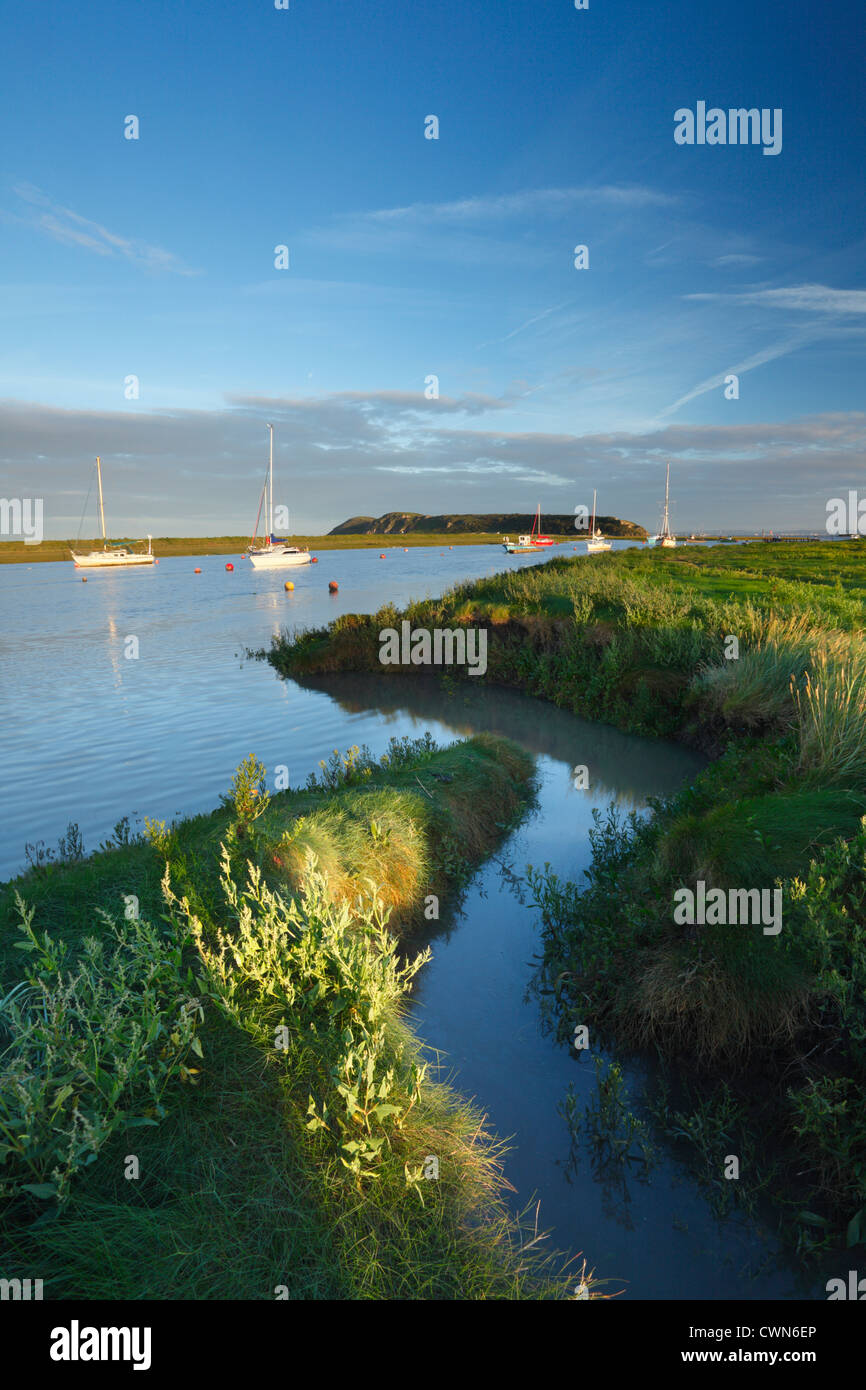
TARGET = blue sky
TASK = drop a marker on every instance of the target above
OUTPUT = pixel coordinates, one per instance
(412, 257)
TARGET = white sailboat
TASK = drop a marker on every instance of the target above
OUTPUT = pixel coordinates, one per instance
(274, 553)
(596, 540)
(113, 553)
(664, 537)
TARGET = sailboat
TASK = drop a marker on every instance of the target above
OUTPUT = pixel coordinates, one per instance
(664, 536)
(113, 553)
(534, 541)
(596, 540)
(273, 553)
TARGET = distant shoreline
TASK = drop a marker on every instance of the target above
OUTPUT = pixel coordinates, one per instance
(17, 553)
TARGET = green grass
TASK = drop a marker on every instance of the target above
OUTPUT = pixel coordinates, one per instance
(238, 1197)
(645, 640)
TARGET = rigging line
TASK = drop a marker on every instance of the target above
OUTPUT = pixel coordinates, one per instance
(261, 503)
(86, 500)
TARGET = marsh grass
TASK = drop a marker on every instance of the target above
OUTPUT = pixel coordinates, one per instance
(238, 1197)
(831, 715)
(640, 640)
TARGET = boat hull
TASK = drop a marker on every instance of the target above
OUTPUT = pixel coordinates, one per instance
(593, 547)
(278, 558)
(98, 560)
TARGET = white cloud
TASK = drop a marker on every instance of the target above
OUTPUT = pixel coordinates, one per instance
(179, 471)
(810, 298)
(71, 229)
(529, 203)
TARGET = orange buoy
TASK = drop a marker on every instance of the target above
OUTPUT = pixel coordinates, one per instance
(333, 586)
(382, 556)
(197, 570)
(229, 567)
(288, 586)
(84, 579)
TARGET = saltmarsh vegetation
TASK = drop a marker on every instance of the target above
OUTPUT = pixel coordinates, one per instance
(756, 656)
(207, 1085)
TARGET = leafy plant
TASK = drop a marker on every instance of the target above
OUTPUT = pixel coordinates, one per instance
(120, 838)
(70, 847)
(89, 1050)
(330, 976)
(162, 838)
(248, 793)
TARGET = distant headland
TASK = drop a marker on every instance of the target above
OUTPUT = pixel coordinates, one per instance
(480, 523)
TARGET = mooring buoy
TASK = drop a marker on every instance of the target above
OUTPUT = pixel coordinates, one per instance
(229, 567)
(333, 586)
(288, 586)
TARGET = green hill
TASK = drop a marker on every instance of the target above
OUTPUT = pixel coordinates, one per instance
(486, 523)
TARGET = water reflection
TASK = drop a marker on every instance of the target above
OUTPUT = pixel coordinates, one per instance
(623, 768)
(646, 1225)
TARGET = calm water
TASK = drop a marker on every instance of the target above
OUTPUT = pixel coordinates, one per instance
(90, 735)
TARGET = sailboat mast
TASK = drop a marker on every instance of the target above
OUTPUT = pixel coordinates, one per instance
(271, 487)
(592, 527)
(666, 525)
(101, 508)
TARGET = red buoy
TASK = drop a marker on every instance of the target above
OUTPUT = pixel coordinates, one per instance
(313, 560)
(229, 567)
(333, 586)
(382, 556)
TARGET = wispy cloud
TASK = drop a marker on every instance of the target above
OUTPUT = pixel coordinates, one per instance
(758, 359)
(533, 202)
(521, 328)
(382, 404)
(820, 299)
(736, 258)
(478, 230)
(827, 306)
(71, 229)
(478, 468)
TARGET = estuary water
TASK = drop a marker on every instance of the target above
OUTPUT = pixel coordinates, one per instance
(97, 726)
